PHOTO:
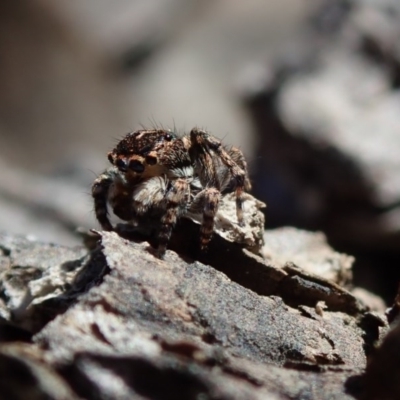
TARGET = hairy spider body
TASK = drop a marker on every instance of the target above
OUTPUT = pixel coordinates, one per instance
(156, 172)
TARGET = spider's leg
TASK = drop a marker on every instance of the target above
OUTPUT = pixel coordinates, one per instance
(237, 156)
(100, 190)
(209, 199)
(175, 198)
(239, 175)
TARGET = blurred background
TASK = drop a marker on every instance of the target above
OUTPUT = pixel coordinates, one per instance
(307, 89)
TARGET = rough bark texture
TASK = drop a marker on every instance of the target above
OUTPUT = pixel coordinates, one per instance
(124, 324)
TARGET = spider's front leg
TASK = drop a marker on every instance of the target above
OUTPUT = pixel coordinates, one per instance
(202, 139)
(208, 199)
(238, 157)
(176, 198)
(100, 191)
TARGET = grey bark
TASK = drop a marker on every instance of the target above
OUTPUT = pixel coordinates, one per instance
(117, 322)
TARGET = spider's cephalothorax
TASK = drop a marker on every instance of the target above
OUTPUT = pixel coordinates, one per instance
(155, 172)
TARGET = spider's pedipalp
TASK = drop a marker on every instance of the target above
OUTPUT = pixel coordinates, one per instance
(149, 193)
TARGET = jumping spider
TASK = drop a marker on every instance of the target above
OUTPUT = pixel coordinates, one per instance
(156, 172)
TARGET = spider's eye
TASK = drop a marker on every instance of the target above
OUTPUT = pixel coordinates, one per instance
(121, 164)
(168, 137)
(151, 160)
(136, 166)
